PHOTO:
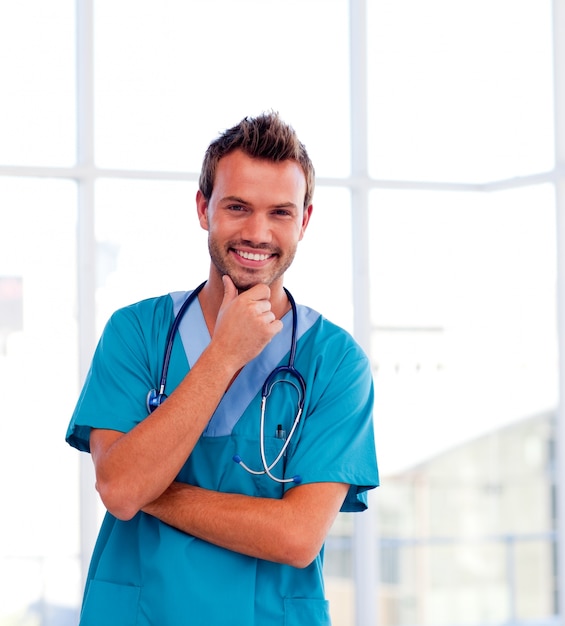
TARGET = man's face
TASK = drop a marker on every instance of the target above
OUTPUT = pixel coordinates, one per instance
(255, 218)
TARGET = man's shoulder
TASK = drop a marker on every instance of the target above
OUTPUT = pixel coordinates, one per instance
(143, 313)
(322, 330)
(146, 306)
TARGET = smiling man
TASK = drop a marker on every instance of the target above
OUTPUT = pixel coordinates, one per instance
(255, 217)
(219, 499)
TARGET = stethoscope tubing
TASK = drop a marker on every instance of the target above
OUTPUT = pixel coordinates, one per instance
(171, 335)
(155, 398)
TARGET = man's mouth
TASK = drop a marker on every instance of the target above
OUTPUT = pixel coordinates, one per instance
(252, 256)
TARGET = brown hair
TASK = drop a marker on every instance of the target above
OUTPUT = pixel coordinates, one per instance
(262, 137)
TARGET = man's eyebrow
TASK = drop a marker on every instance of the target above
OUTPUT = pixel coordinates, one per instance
(234, 199)
(285, 205)
(238, 200)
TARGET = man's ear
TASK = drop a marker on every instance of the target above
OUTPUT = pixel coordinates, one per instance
(306, 219)
(202, 209)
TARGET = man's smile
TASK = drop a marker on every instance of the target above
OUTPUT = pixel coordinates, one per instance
(252, 256)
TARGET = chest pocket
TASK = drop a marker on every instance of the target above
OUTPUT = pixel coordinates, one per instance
(274, 446)
(211, 466)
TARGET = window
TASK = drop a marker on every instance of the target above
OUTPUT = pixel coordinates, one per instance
(457, 263)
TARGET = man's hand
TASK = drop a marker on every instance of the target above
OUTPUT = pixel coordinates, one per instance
(245, 323)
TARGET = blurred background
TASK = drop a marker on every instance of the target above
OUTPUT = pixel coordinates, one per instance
(433, 128)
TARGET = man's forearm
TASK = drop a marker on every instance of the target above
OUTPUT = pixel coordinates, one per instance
(290, 530)
(134, 468)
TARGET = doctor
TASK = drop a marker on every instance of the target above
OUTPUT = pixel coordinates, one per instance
(190, 537)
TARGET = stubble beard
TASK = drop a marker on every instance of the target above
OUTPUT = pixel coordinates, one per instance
(245, 279)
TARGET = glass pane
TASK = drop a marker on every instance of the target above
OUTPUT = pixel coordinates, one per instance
(480, 548)
(460, 91)
(535, 595)
(37, 74)
(464, 310)
(39, 568)
(149, 242)
(321, 275)
(464, 347)
(188, 70)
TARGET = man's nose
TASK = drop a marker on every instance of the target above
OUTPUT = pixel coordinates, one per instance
(257, 229)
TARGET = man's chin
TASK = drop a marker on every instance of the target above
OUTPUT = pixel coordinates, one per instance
(243, 280)
(244, 286)
(243, 283)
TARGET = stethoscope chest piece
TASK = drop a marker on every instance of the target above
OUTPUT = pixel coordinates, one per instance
(155, 399)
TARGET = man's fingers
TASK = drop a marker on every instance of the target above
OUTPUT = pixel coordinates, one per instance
(259, 292)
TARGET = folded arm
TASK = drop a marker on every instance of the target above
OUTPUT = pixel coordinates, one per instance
(290, 530)
(134, 468)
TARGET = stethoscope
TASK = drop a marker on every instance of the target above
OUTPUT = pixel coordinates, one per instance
(156, 398)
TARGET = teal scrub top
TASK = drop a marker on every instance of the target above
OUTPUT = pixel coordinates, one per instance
(144, 572)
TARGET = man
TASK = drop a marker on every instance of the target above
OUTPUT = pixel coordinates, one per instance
(192, 537)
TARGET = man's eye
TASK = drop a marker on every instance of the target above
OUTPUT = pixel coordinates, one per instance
(236, 207)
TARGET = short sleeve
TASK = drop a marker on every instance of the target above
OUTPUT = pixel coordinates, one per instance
(121, 373)
(337, 442)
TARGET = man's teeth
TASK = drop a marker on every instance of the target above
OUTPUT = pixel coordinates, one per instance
(253, 256)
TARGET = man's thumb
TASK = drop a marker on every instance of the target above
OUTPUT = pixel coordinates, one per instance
(230, 291)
